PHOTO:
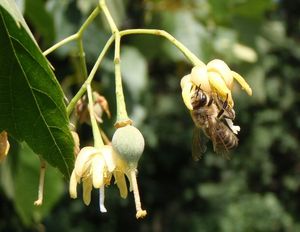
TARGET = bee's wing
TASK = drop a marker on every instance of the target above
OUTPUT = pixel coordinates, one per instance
(219, 144)
(199, 143)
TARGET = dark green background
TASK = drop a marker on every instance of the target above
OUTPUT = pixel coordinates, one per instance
(257, 190)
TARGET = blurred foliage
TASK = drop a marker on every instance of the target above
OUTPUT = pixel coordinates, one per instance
(258, 189)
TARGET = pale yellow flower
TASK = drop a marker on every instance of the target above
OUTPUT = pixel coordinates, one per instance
(216, 77)
(94, 167)
(91, 168)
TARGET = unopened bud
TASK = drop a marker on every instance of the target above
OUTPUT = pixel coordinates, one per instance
(129, 143)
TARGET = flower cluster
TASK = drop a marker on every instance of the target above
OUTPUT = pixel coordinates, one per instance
(215, 77)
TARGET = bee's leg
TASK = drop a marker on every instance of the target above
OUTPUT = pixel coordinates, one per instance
(225, 104)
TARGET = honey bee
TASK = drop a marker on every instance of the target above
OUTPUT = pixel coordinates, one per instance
(212, 117)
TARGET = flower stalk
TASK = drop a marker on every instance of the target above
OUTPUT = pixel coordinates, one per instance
(140, 213)
(39, 201)
(98, 142)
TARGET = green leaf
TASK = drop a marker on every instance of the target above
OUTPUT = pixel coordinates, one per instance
(31, 100)
(12, 8)
(40, 19)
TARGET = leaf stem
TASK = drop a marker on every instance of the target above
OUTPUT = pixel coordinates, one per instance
(186, 52)
(88, 21)
(82, 58)
(61, 43)
(77, 35)
(110, 20)
(82, 90)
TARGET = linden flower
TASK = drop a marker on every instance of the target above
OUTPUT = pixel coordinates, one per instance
(94, 167)
(216, 77)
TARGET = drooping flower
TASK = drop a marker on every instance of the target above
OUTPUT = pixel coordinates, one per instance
(215, 77)
(94, 167)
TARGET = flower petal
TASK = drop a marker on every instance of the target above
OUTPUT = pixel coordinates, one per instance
(97, 171)
(107, 152)
(83, 160)
(219, 66)
(242, 82)
(186, 79)
(87, 188)
(187, 95)
(121, 183)
(218, 84)
(199, 77)
(73, 185)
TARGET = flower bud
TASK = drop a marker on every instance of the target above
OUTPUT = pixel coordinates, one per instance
(129, 143)
(4, 145)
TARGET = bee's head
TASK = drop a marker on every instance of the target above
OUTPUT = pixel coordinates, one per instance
(200, 98)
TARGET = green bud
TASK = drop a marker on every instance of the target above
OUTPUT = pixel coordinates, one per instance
(129, 142)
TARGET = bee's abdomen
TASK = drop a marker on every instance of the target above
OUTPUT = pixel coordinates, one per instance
(225, 140)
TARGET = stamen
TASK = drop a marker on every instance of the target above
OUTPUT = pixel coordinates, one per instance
(39, 201)
(139, 212)
(101, 200)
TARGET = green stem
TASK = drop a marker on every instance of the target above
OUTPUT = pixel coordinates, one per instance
(82, 58)
(188, 54)
(61, 43)
(108, 16)
(75, 36)
(98, 142)
(122, 116)
(121, 106)
(82, 90)
(88, 21)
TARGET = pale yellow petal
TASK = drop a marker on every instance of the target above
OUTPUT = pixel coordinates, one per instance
(121, 183)
(219, 66)
(218, 84)
(107, 152)
(185, 80)
(187, 95)
(87, 186)
(97, 171)
(73, 185)
(199, 77)
(242, 82)
(83, 160)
